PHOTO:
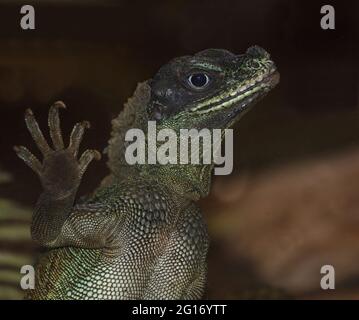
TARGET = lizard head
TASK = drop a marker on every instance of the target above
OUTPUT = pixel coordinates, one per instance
(211, 89)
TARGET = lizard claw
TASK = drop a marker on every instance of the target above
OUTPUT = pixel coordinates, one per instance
(60, 104)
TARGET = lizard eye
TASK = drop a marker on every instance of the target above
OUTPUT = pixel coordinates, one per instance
(198, 80)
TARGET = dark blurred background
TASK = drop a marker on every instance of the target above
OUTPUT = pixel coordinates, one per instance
(291, 204)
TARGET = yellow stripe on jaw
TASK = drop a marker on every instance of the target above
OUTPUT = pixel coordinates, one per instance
(233, 92)
(232, 101)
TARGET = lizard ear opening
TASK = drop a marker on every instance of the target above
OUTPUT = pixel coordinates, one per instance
(157, 112)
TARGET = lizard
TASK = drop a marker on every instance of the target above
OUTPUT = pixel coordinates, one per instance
(141, 234)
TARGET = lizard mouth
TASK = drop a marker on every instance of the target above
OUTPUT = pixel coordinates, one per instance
(248, 96)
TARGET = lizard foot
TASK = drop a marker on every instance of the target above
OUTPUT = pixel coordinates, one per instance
(60, 171)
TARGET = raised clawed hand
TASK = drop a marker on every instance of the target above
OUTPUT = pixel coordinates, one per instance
(60, 171)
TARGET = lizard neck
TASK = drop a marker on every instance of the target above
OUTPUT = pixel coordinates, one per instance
(188, 181)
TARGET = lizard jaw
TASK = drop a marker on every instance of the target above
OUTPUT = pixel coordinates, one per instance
(252, 95)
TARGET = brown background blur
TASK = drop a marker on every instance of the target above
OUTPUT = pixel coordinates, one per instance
(290, 206)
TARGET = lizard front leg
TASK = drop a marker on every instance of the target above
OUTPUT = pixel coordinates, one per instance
(60, 173)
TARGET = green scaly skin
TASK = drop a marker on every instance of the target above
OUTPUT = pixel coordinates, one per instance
(140, 235)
